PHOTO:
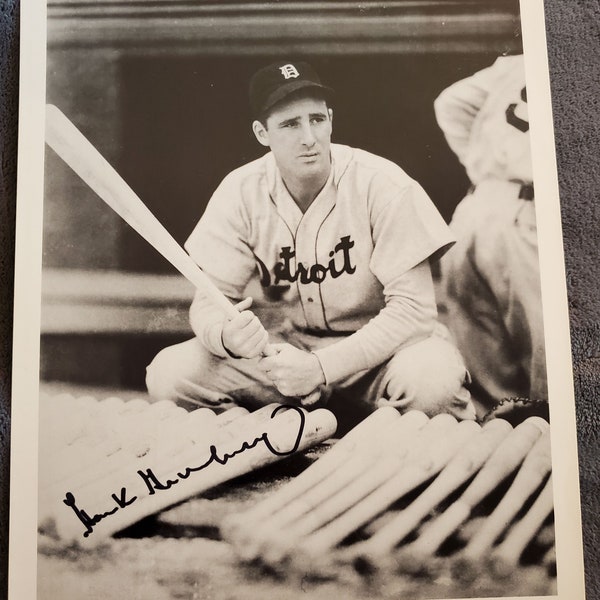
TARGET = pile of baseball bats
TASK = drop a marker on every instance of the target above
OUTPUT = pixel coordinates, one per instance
(392, 492)
(104, 465)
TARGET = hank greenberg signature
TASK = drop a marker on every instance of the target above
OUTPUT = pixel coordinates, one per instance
(154, 485)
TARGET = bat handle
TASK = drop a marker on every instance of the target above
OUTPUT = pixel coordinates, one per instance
(313, 397)
(310, 399)
(269, 350)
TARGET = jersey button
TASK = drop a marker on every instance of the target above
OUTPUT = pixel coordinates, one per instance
(310, 299)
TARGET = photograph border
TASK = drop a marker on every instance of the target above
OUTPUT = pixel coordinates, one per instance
(26, 341)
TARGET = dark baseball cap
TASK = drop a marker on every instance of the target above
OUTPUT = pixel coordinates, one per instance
(277, 81)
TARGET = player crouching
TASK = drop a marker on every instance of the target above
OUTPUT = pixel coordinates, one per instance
(345, 239)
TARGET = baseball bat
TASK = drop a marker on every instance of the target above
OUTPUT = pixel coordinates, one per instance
(164, 448)
(153, 425)
(237, 526)
(81, 466)
(56, 431)
(506, 556)
(76, 150)
(98, 440)
(507, 457)
(152, 439)
(363, 460)
(461, 467)
(362, 486)
(532, 473)
(280, 431)
(425, 465)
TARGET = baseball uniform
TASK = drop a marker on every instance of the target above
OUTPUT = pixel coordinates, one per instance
(353, 277)
(491, 275)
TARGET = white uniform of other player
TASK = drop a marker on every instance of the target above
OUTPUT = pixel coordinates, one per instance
(492, 274)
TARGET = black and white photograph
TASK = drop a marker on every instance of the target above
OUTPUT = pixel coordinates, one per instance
(297, 333)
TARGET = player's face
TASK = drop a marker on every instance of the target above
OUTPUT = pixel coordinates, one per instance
(299, 135)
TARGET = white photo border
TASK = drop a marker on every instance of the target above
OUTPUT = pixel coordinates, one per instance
(27, 301)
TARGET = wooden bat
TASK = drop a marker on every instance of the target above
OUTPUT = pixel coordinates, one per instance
(392, 434)
(532, 473)
(507, 457)
(58, 431)
(74, 148)
(240, 529)
(363, 485)
(232, 440)
(461, 467)
(99, 458)
(160, 428)
(94, 445)
(424, 465)
(140, 431)
(506, 556)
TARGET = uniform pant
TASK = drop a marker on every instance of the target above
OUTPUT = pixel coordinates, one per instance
(427, 375)
(492, 286)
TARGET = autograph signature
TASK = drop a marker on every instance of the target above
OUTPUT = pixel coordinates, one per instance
(154, 485)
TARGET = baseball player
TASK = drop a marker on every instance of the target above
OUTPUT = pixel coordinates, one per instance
(491, 275)
(343, 239)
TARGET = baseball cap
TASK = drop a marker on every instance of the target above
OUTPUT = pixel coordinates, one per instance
(275, 82)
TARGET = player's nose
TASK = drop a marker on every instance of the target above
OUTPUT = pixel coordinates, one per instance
(308, 135)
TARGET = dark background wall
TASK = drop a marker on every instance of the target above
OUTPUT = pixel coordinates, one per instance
(575, 70)
(164, 98)
(186, 124)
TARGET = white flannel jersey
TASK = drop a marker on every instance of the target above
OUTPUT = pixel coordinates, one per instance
(485, 120)
(345, 267)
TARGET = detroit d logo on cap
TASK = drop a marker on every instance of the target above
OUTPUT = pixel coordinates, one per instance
(289, 71)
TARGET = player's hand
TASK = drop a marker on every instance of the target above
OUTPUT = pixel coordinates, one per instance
(244, 336)
(294, 372)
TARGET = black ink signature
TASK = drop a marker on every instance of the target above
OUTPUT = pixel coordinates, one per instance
(88, 521)
(154, 484)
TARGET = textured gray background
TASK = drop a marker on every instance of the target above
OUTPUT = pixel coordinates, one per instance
(573, 47)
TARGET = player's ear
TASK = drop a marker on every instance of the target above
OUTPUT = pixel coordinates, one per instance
(330, 112)
(261, 133)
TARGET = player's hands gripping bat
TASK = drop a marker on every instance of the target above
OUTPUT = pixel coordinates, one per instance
(294, 372)
(76, 150)
(244, 336)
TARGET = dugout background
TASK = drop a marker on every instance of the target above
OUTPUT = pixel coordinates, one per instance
(160, 88)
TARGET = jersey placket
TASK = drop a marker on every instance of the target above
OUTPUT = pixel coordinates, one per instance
(309, 229)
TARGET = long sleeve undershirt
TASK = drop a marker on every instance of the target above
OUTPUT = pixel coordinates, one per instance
(409, 314)
(386, 297)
